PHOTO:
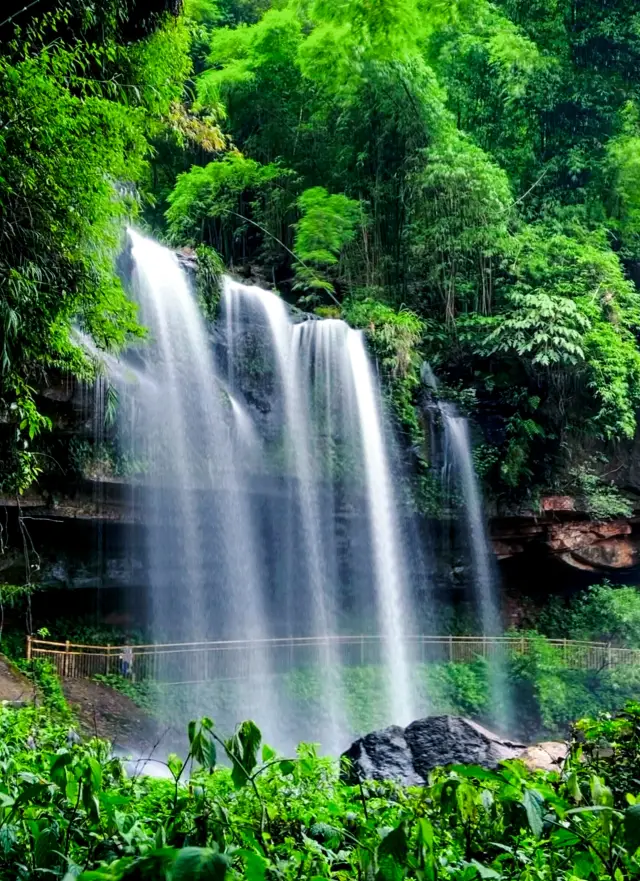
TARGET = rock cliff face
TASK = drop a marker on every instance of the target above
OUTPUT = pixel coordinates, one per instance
(565, 534)
(88, 534)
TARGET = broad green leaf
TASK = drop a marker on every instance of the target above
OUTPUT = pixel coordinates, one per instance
(394, 844)
(600, 793)
(95, 773)
(160, 839)
(45, 849)
(589, 809)
(58, 768)
(534, 806)
(90, 803)
(175, 765)
(573, 787)
(425, 833)
(242, 749)
(209, 753)
(564, 838)
(200, 864)
(425, 837)
(466, 801)
(584, 866)
(485, 872)
(255, 865)
(71, 788)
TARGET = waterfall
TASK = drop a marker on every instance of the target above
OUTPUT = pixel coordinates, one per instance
(390, 574)
(269, 503)
(459, 476)
(203, 566)
(458, 461)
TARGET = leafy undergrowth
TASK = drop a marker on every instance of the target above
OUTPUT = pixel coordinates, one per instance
(47, 683)
(67, 810)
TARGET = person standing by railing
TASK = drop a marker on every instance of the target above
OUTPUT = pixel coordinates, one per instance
(126, 658)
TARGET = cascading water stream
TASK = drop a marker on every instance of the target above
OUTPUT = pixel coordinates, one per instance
(390, 575)
(459, 461)
(459, 476)
(201, 533)
(300, 460)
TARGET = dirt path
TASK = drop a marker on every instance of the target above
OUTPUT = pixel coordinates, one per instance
(106, 713)
(102, 712)
(13, 686)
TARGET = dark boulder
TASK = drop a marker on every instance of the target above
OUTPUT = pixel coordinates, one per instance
(454, 740)
(406, 755)
(381, 755)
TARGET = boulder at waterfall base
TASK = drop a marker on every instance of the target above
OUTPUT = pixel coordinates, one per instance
(406, 755)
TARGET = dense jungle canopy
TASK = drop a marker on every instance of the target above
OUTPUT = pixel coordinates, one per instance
(462, 179)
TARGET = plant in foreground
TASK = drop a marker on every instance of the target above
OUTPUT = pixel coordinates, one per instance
(68, 811)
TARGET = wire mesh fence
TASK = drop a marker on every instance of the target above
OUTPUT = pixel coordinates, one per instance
(238, 659)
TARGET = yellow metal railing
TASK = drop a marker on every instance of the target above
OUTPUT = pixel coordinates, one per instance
(236, 659)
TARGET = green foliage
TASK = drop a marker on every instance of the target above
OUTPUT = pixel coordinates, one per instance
(394, 336)
(209, 275)
(475, 163)
(461, 216)
(213, 204)
(623, 169)
(564, 337)
(68, 810)
(542, 329)
(102, 460)
(608, 613)
(45, 678)
(601, 500)
(487, 155)
(80, 97)
(386, 29)
(145, 694)
(326, 225)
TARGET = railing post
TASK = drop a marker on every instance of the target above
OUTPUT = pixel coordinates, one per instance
(609, 655)
(29, 647)
(450, 648)
(65, 666)
(108, 659)
(362, 651)
(565, 651)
